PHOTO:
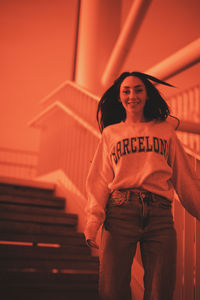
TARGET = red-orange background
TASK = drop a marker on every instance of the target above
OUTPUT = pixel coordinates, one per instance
(37, 53)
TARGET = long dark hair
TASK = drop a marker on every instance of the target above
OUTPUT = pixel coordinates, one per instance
(111, 111)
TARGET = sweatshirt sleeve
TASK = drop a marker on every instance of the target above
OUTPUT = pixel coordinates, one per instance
(99, 176)
(184, 178)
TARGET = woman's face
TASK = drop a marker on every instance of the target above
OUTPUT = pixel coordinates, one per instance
(133, 95)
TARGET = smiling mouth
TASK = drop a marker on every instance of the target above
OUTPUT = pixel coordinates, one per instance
(133, 102)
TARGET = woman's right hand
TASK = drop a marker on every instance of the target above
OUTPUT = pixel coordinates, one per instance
(92, 244)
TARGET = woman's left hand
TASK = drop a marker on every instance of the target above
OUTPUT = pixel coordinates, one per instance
(92, 244)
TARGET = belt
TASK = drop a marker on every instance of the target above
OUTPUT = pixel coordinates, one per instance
(121, 196)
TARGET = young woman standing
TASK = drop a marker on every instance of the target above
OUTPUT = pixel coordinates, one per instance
(137, 166)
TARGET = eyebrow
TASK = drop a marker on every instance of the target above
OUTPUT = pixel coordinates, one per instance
(136, 86)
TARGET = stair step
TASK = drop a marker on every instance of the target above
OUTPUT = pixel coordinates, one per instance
(46, 259)
(11, 215)
(33, 209)
(37, 201)
(16, 189)
(33, 228)
(48, 265)
(65, 280)
(48, 294)
(21, 251)
(54, 261)
(48, 286)
(69, 238)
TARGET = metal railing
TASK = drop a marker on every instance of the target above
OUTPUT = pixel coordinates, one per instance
(186, 106)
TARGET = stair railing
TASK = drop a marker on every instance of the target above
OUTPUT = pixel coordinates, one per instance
(186, 106)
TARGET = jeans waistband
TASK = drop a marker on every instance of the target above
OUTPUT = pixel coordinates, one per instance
(121, 196)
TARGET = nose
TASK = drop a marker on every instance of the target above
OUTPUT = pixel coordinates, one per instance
(132, 94)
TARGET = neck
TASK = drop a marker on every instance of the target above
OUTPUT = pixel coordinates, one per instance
(135, 118)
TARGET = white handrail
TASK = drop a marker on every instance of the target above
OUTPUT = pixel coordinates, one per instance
(35, 121)
(72, 84)
(177, 62)
(190, 127)
(191, 152)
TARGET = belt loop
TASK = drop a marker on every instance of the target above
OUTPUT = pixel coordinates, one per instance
(141, 197)
(128, 195)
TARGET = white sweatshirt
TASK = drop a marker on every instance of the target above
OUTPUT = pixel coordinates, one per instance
(146, 155)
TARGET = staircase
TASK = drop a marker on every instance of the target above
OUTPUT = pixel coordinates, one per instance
(42, 256)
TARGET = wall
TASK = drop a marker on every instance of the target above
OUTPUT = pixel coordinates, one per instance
(36, 55)
(37, 50)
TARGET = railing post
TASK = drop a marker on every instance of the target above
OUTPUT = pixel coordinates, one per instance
(197, 254)
(189, 257)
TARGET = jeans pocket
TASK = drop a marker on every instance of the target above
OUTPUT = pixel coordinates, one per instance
(118, 198)
(161, 202)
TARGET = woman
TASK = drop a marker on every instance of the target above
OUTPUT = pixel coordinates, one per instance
(138, 164)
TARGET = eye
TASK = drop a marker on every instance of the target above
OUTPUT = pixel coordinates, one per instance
(138, 91)
(125, 91)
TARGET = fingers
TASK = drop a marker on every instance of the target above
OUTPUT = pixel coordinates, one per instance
(92, 244)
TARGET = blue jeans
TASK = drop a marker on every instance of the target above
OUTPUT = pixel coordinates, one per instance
(131, 218)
